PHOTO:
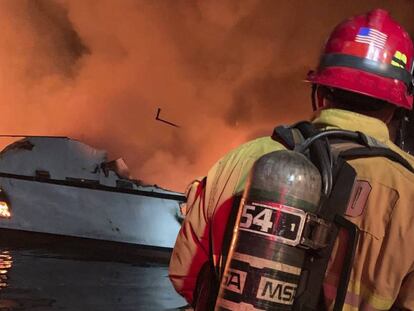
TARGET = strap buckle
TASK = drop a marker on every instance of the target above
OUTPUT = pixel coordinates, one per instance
(316, 233)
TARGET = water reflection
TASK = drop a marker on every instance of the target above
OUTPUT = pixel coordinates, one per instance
(6, 262)
(47, 280)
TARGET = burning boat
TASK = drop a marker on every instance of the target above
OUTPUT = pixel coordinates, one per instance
(60, 186)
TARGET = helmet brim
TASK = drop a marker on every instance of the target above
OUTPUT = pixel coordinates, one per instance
(365, 83)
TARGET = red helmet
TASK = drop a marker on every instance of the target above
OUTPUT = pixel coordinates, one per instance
(369, 54)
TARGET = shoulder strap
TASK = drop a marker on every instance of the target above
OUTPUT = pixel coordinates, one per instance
(338, 179)
(353, 144)
(289, 136)
(364, 152)
(310, 295)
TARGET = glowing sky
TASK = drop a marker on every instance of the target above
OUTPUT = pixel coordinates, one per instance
(225, 71)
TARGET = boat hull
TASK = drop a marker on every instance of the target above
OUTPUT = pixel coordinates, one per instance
(91, 212)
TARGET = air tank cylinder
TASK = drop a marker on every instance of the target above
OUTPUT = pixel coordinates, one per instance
(264, 263)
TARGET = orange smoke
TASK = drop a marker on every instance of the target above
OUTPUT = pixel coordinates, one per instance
(225, 71)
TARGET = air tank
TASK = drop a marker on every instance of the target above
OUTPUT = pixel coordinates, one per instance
(265, 260)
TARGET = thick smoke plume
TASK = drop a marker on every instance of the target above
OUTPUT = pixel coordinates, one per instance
(225, 71)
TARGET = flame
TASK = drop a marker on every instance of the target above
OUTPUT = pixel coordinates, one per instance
(4, 210)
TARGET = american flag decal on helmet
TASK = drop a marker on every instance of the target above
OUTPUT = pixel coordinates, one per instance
(372, 37)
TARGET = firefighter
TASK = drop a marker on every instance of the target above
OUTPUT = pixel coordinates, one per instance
(363, 83)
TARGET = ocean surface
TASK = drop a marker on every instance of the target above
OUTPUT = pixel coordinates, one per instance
(36, 274)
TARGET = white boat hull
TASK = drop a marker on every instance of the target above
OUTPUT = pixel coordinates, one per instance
(46, 207)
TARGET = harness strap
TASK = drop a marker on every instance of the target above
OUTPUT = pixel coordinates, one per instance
(287, 136)
(358, 145)
(363, 152)
(309, 298)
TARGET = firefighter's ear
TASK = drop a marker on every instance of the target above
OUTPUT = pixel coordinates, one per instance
(322, 97)
(325, 93)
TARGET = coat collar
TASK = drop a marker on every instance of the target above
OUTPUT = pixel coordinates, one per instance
(352, 121)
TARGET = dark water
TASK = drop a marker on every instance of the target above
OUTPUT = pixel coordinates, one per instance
(62, 277)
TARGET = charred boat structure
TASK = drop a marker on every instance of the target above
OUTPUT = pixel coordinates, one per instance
(60, 186)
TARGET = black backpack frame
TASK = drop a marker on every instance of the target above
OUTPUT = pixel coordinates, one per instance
(329, 150)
